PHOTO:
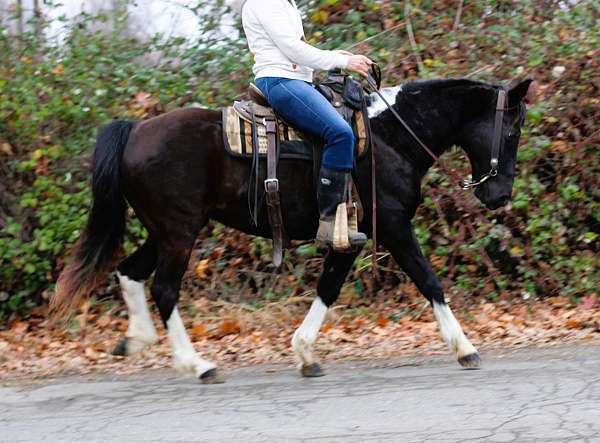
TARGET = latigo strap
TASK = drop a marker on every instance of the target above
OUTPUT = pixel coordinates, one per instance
(272, 190)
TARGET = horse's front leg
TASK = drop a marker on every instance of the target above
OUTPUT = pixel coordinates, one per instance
(403, 244)
(335, 270)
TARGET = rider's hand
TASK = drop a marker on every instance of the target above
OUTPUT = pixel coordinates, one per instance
(359, 64)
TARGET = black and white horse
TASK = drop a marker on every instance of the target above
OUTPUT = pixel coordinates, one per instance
(175, 173)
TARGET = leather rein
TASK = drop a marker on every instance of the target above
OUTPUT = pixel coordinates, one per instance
(374, 84)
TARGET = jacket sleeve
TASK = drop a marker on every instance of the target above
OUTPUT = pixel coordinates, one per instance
(272, 16)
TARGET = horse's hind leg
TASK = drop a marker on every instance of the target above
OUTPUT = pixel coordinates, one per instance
(335, 270)
(133, 271)
(173, 259)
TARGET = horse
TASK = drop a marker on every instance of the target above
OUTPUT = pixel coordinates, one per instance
(175, 174)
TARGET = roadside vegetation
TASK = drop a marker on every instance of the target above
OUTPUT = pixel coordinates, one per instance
(54, 95)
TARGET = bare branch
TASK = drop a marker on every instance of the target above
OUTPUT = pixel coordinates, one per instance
(458, 15)
(411, 36)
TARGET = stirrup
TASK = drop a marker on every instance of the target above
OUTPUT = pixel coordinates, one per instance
(340, 229)
(353, 219)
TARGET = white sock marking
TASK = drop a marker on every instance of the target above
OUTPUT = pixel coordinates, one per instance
(377, 105)
(306, 335)
(141, 331)
(185, 358)
(451, 331)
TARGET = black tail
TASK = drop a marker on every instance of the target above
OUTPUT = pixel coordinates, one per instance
(97, 248)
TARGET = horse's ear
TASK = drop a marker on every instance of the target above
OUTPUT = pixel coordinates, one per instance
(518, 90)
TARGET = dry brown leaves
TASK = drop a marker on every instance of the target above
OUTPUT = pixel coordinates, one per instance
(235, 335)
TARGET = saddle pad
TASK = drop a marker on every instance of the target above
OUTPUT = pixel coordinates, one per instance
(237, 137)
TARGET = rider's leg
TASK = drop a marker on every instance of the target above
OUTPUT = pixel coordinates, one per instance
(300, 104)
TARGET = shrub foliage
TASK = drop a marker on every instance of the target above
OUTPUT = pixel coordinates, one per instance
(53, 96)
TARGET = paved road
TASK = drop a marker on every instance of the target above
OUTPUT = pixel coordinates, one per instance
(528, 396)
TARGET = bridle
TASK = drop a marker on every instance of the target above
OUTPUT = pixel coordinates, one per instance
(496, 144)
(374, 83)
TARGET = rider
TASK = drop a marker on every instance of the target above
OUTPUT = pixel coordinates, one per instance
(283, 68)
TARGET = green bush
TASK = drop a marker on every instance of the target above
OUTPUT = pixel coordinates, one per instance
(54, 96)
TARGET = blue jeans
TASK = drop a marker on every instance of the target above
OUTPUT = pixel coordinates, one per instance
(302, 106)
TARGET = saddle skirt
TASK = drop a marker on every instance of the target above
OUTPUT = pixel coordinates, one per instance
(238, 134)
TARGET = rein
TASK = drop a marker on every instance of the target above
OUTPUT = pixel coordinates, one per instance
(374, 83)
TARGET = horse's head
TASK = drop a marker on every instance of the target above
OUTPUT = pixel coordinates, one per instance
(494, 182)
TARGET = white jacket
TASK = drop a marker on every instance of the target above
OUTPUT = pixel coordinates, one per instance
(275, 36)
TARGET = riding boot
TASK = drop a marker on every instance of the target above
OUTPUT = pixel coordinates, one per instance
(333, 220)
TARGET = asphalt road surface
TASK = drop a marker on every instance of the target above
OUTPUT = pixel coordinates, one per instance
(526, 396)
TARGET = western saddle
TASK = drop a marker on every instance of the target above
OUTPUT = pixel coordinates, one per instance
(348, 98)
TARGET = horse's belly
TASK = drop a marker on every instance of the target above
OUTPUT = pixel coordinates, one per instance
(231, 205)
(299, 213)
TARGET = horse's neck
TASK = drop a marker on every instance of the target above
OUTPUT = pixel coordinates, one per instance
(434, 123)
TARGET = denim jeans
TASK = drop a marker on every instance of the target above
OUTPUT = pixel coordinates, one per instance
(302, 106)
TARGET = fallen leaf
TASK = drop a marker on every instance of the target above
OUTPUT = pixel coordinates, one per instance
(560, 147)
(4, 349)
(91, 354)
(145, 100)
(574, 324)
(326, 328)
(558, 301)
(58, 70)
(202, 268)
(104, 322)
(383, 321)
(19, 327)
(6, 149)
(588, 302)
(229, 327)
(199, 330)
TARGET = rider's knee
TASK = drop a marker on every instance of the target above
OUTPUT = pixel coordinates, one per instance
(344, 134)
(340, 136)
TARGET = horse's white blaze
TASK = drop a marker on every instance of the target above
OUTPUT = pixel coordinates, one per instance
(377, 105)
(451, 331)
(141, 331)
(306, 335)
(185, 358)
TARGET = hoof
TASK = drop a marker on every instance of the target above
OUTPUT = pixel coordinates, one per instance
(212, 377)
(471, 361)
(121, 348)
(313, 370)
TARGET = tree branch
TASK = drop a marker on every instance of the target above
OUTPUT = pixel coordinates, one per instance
(411, 36)
(458, 15)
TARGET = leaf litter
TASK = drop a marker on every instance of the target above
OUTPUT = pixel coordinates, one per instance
(236, 335)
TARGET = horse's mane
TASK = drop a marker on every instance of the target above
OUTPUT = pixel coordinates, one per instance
(444, 83)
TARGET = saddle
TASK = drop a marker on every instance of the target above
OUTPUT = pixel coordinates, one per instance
(252, 129)
(238, 121)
